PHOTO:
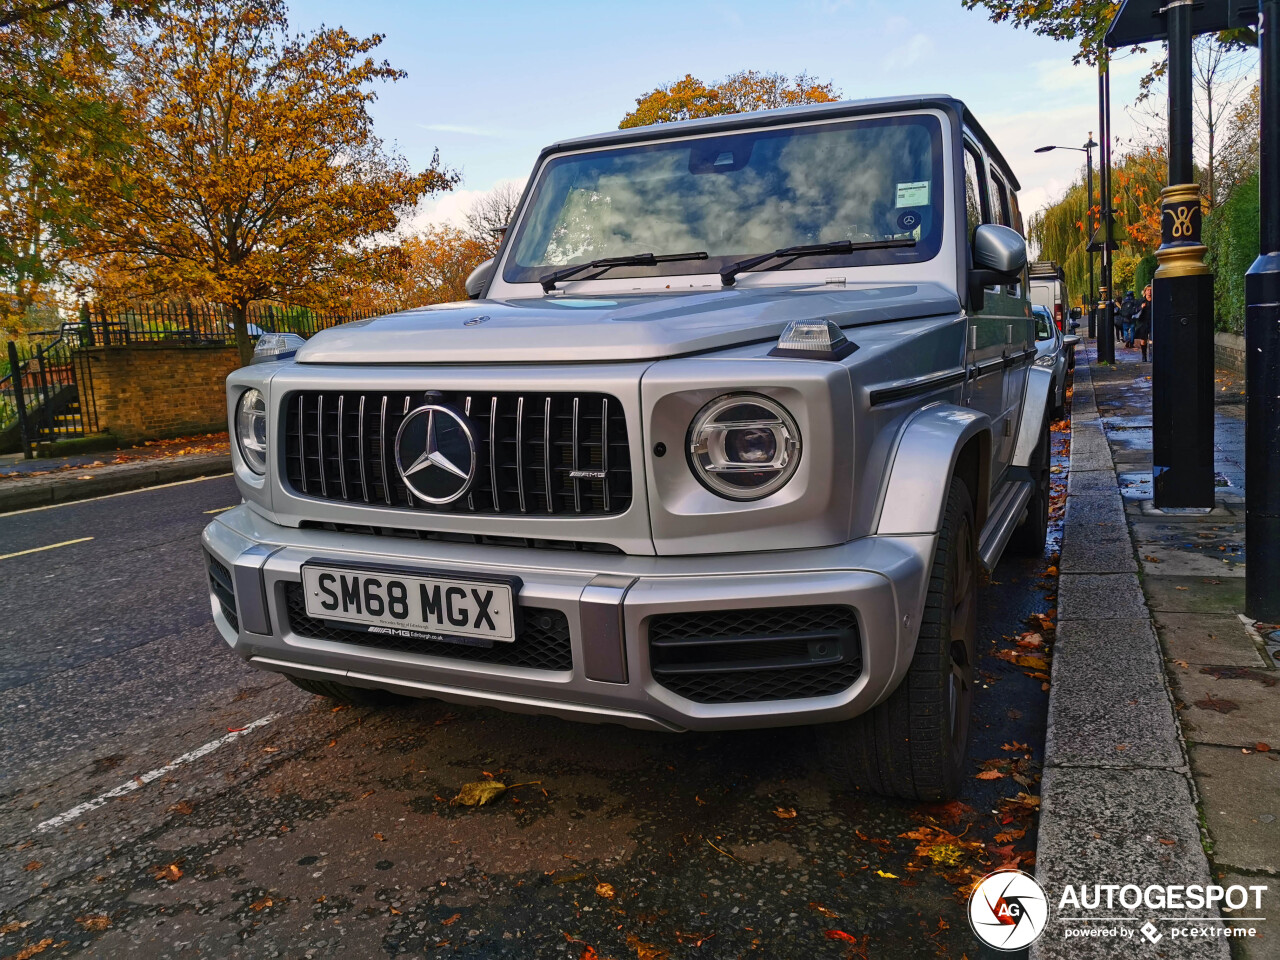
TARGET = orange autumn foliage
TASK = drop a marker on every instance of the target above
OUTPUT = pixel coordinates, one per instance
(255, 172)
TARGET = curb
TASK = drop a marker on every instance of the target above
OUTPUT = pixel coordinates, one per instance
(1118, 804)
(23, 494)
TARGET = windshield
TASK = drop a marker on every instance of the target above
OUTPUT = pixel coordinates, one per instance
(734, 195)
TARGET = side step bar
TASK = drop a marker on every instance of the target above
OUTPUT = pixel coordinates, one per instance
(1006, 513)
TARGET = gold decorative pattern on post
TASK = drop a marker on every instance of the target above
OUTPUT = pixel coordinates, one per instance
(1180, 254)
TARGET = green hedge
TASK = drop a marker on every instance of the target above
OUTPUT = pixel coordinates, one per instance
(1231, 234)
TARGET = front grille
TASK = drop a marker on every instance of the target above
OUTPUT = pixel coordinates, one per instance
(221, 585)
(541, 644)
(339, 446)
(448, 536)
(739, 656)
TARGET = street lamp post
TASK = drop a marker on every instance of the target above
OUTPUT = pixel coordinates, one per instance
(1087, 150)
(1105, 342)
(1262, 347)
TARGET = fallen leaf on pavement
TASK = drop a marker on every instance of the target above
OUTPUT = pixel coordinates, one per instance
(589, 953)
(26, 953)
(605, 890)
(14, 927)
(1008, 836)
(1167, 843)
(97, 921)
(183, 807)
(989, 775)
(451, 921)
(785, 813)
(172, 873)
(841, 935)
(886, 875)
(1015, 747)
(260, 905)
(478, 794)
(829, 914)
(646, 951)
(33, 865)
(1262, 747)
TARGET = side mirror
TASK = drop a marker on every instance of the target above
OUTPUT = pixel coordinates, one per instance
(479, 279)
(999, 256)
(1070, 340)
(1075, 313)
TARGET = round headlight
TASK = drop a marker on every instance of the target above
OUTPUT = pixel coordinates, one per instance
(251, 429)
(743, 446)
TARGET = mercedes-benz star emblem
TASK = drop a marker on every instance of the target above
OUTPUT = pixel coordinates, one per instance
(436, 453)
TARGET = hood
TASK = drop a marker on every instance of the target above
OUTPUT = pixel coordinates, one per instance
(581, 329)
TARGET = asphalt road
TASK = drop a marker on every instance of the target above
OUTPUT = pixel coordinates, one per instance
(322, 832)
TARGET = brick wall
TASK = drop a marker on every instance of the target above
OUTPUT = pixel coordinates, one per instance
(149, 391)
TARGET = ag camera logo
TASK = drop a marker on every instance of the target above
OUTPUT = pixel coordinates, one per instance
(1008, 910)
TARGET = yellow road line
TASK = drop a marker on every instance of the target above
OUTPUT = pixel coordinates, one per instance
(52, 546)
(223, 509)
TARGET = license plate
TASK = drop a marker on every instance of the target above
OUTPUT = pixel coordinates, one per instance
(446, 609)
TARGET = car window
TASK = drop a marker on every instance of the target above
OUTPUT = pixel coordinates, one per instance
(1044, 329)
(1000, 201)
(738, 194)
(974, 187)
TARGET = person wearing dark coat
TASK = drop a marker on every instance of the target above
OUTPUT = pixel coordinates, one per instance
(1129, 308)
(1142, 322)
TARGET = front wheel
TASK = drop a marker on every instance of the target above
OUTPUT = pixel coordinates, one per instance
(912, 745)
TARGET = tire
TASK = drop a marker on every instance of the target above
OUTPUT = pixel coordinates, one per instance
(1029, 538)
(347, 695)
(912, 745)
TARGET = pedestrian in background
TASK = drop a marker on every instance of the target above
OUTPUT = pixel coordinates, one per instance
(1142, 322)
(1129, 308)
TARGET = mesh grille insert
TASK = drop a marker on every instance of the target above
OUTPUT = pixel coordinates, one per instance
(220, 584)
(740, 656)
(535, 453)
(541, 644)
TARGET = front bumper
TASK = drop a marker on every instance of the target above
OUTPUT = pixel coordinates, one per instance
(608, 602)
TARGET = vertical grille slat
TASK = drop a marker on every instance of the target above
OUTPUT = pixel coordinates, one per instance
(546, 456)
(531, 450)
(364, 481)
(520, 451)
(493, 453)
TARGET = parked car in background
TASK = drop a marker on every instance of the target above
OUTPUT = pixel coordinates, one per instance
(1054, 352)
(1049, 289)
(742, 405)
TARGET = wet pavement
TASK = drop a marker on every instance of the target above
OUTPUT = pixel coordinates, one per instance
(246, 818)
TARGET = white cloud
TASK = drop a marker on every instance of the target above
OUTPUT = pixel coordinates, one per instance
(915, 50)
(447, 209)
(464, 131)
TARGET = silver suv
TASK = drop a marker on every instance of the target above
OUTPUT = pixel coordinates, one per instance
(740, 408)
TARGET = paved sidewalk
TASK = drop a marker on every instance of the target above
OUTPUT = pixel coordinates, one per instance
(1222, 669)
(37, 483)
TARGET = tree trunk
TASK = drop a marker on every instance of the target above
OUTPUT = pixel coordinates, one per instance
(240, 315)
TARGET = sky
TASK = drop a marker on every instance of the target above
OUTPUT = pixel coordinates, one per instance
(491, 83)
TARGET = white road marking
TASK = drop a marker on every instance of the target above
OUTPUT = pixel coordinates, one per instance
(130, 785)
(52, 546)
(223, 509)
(109, 496)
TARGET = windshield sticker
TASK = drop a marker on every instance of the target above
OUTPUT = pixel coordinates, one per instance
(913, 194)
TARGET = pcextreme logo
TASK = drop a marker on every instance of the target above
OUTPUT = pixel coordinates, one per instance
(1008, 910)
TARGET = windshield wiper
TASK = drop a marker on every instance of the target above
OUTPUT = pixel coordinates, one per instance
(608, 263)
(787, 254)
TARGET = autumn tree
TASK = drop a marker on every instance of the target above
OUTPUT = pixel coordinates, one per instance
(255, 173)
(433, 268)
(54, 108)
(491, 213)
(742, 92)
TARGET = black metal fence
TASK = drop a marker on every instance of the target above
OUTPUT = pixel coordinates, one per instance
(202, 323)
(46, 386)
(48, 391)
